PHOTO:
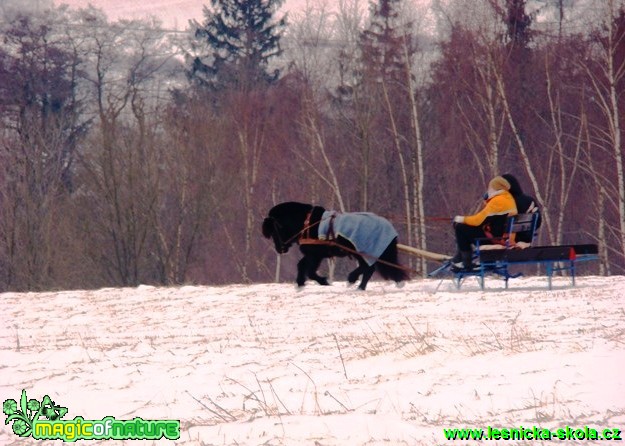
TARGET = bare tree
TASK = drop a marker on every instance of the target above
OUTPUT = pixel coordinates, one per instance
(123, 62)
(607, 77)
(40, 130)
(188, 194)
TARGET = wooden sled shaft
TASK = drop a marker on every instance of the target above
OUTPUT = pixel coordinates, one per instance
(423, 253)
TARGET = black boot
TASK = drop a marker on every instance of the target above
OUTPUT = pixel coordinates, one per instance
(467, 257)
(456, 262)
(465, 264)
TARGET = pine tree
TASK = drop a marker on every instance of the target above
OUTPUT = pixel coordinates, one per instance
(239, 37)
(518, 24)
(386, 46)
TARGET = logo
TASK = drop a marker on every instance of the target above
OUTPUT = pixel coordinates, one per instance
(42, 420)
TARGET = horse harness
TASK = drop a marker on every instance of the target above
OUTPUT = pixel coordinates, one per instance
(306, 239)
(303, 237)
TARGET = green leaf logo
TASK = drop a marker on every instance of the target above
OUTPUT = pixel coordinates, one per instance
(28, 411)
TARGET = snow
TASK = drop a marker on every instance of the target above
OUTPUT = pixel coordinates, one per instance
(267, 364)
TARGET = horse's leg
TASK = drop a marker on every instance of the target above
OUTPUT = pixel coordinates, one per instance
(354, 275)
(367, 272)
(301, 271)
(363, 269)
(313, 265)
(307, 267)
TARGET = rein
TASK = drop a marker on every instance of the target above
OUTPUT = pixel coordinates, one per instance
(363, 254)
(304, 234)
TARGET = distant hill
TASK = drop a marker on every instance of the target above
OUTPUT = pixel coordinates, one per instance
(175, 14)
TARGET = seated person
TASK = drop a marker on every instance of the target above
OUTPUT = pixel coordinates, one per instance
(498, 203)
(525, 204)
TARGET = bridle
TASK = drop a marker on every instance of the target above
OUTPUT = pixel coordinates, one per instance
(276, 231)
(303, 234)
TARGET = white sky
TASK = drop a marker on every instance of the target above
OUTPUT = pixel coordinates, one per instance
(175, 14)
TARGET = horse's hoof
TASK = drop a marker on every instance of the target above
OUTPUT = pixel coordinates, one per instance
(324, 282)
(400, 284)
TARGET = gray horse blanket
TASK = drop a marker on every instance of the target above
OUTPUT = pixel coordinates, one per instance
(369, 233)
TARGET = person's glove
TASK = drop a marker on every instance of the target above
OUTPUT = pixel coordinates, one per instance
(458, 219)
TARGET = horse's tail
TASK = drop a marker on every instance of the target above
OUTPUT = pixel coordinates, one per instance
(389, 267)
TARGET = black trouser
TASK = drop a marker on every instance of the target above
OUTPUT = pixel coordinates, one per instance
(466, 235)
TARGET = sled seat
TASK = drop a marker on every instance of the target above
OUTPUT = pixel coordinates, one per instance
(500, 253)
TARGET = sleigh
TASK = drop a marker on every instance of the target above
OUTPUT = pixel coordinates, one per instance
(372, 240)
(498, 257)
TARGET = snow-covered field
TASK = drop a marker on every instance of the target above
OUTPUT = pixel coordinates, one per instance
(268, 365)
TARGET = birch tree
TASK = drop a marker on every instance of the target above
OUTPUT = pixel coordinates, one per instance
(607, 78)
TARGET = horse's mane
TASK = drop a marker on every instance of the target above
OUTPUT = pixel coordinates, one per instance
(289, 208)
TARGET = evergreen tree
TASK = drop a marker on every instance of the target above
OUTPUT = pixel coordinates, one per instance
(518, 24)
(239, 37)
(386, 45)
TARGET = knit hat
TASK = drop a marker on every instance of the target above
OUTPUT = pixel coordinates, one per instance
(499, 183)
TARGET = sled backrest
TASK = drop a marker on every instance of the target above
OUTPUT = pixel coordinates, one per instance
(525, 223)
(515, 225)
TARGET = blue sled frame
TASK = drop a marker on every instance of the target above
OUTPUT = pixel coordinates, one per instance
(498, 261)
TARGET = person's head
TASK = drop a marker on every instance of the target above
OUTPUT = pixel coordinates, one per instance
(515, 187)
(496, 185)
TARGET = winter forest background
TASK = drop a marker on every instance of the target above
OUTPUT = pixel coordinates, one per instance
(134, 154)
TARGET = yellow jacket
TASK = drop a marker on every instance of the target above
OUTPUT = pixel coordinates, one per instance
(502, 203)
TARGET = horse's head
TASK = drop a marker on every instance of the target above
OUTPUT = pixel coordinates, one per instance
(284, 224)
(274, 230)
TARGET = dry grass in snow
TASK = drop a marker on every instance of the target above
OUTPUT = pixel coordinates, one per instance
(268, 365)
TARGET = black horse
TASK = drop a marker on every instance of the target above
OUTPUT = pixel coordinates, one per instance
(293, 222)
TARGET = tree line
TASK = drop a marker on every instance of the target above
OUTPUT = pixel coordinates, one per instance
(131, 154)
